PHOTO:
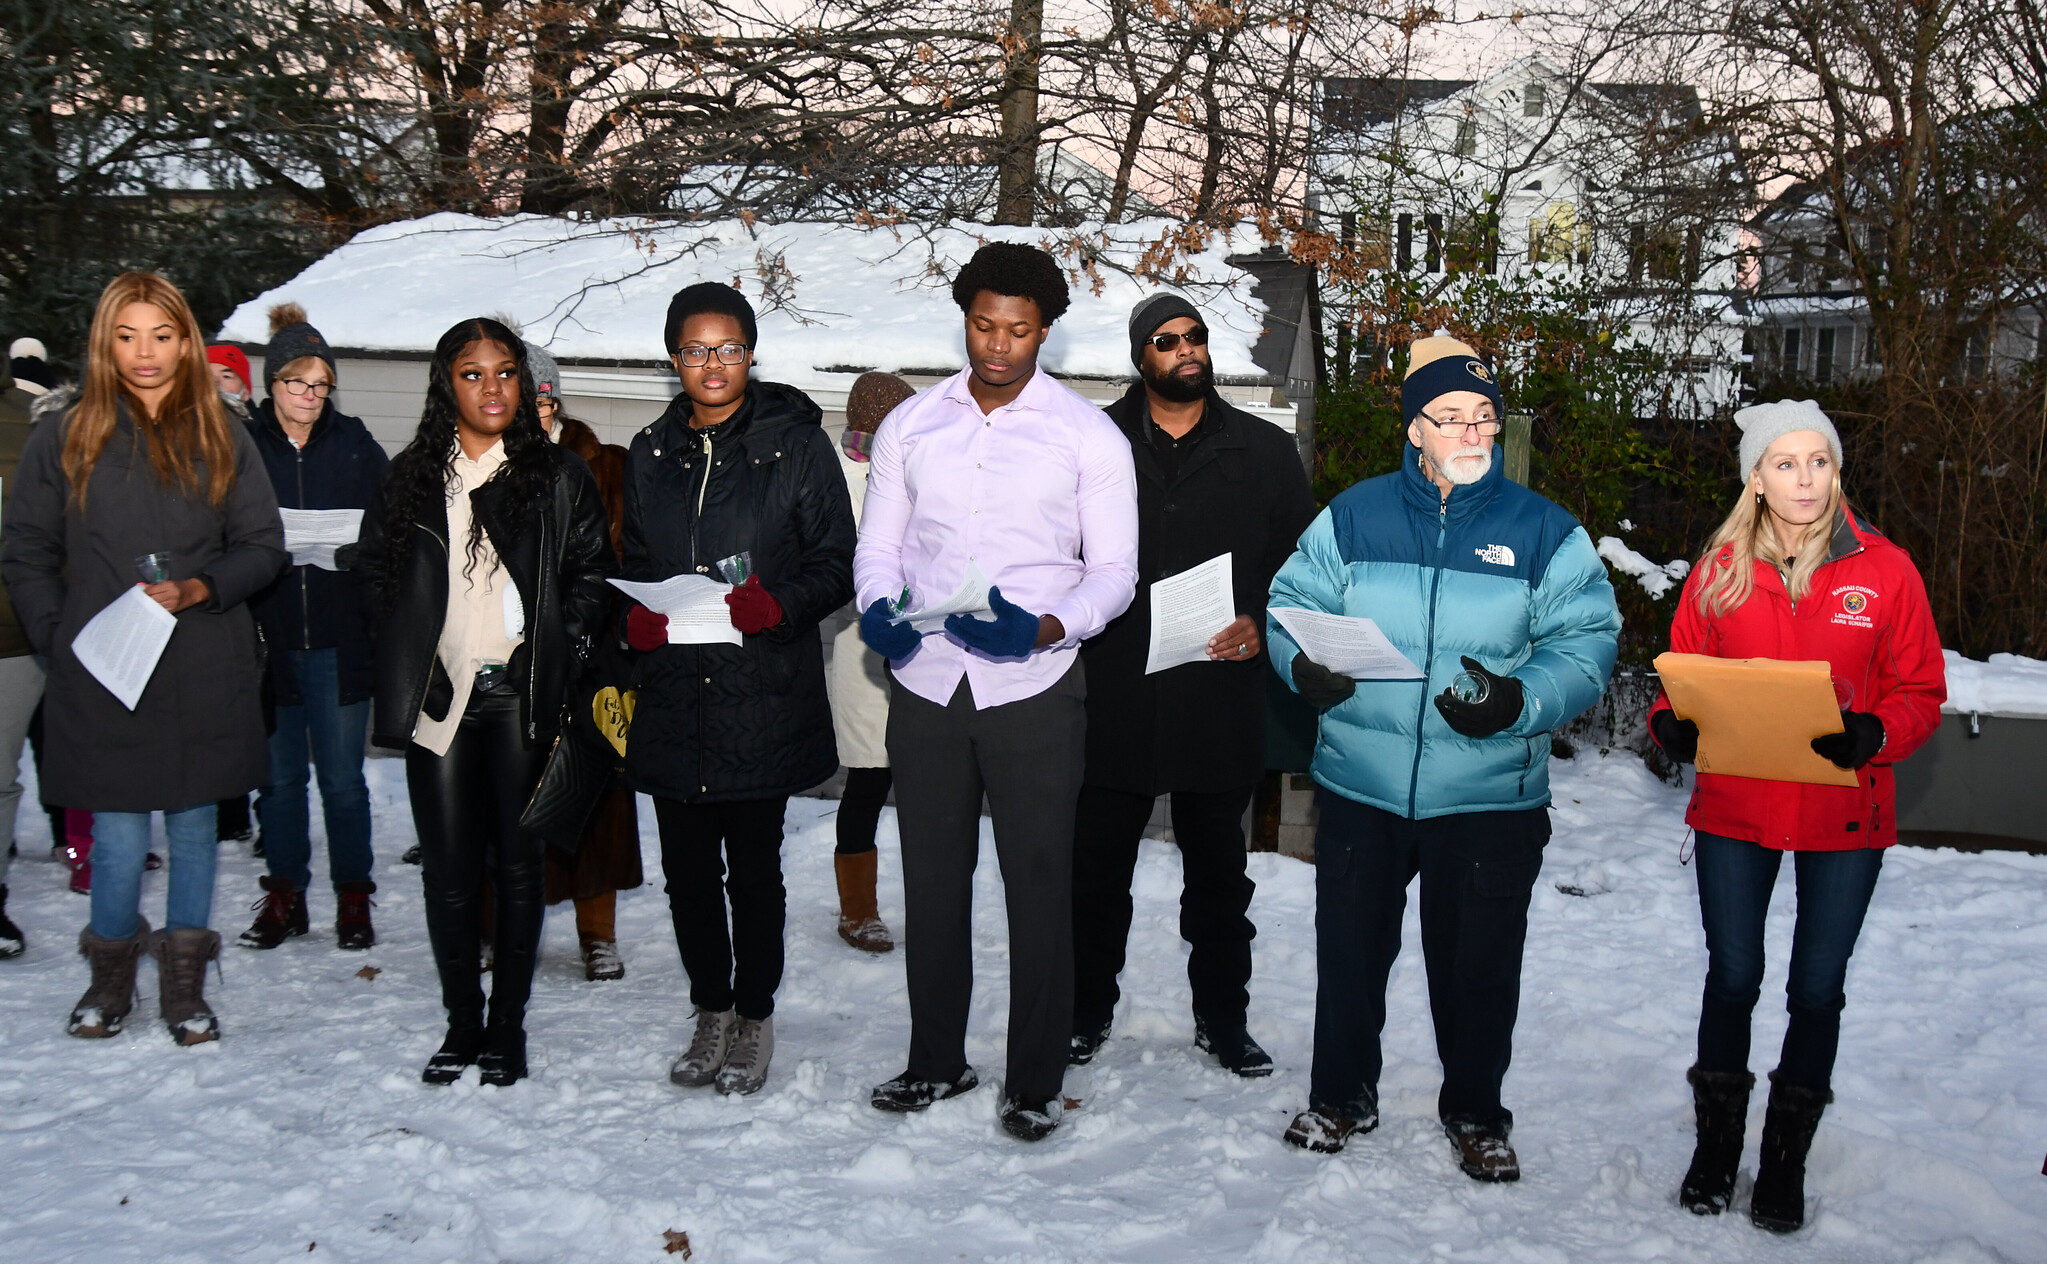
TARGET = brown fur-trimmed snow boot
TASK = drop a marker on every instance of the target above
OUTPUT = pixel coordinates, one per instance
(1720, 1105)
(181, 959)
(1778, 1203)
(860, 921)
(103, 1009)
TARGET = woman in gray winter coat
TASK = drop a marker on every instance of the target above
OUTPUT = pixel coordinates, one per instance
(146, 466)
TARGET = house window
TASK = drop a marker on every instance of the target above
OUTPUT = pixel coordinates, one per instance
(1823, 356)
(1432, 259)
(1403, 243)
(1555, 235)
(1671, 254)
(1789, 362)
(1372, 239)
(1533, 98)
(1467, 138)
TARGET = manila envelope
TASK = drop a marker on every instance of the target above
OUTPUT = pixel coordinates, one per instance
(1757, 716)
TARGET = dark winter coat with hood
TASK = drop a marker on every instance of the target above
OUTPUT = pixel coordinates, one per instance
(558, 555)
(308, 607)
(1200, 726)
(718, 723)
(196, 734)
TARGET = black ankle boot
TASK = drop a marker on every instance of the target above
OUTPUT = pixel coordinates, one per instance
(461, 1049)
(1720, 1104)
(1778, 1203)
(503, 1060)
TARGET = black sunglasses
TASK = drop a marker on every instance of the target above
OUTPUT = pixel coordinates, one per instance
(1196, 337)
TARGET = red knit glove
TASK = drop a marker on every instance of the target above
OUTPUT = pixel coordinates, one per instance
(753, 610)
(644, 629)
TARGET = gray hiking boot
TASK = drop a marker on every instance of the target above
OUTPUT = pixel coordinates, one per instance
(104, 1007)
(746, 1062)
(181, 958)
(699, 1063)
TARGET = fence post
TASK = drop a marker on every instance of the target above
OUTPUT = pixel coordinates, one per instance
(1518, 436)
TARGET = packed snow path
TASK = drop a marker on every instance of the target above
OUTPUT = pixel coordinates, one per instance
(306, 1132)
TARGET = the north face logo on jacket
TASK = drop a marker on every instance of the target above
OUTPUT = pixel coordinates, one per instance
(1495, 555)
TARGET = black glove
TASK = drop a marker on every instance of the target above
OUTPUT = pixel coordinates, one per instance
(1862, 737)
(1502, 705)
(1321, 687)
(1678, 738)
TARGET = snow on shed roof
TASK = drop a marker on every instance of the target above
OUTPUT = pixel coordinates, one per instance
(829, 296)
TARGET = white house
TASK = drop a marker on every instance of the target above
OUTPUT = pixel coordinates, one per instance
(1529, 174)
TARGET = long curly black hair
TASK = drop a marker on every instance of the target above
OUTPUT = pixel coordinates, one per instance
(416, 486)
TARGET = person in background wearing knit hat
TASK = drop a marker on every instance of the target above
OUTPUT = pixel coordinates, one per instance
(859, 688)
(21, 676)
(736, 474)
(1793, 574)
(231, 375)
(1211, 480)
(321, 660)
(29, 366)
(1499, 597)
(608, 855)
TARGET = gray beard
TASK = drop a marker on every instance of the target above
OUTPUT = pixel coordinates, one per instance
(1461, 473)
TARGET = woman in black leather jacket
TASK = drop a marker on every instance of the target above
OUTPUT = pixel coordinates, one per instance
(487, 549)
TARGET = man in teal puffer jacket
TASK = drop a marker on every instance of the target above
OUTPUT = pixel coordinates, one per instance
(1468, 573)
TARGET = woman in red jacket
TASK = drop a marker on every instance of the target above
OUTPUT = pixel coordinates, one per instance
(1791, 574)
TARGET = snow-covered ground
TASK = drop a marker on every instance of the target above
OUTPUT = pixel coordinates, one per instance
(306, 1132)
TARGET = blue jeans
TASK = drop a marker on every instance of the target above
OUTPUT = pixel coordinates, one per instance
(120, 842)
(330, 736)
(1735, 881)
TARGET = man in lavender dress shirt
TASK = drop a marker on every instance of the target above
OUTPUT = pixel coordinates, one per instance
(1002, 470)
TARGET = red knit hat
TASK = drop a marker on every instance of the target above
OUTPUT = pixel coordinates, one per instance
(231, 358)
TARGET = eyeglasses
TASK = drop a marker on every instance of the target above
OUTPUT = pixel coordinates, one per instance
(299, 386)
(1196, 337)
(1488, 425)
(698, 357)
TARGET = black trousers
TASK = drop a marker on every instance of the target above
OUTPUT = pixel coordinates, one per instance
(712, 854)
(860, 805)
(1027, 756)
(465, 808)
(1477, 871)
(1215, 895)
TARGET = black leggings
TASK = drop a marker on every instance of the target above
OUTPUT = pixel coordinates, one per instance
(465, 807)
(860, 807)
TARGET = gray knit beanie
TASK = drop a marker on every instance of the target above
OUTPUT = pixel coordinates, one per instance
(547, 375)
(1764, 424)
(1152, 311)
(292, 338)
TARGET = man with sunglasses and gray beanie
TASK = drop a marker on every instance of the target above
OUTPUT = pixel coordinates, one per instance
(1212, 480)
(1499, 597)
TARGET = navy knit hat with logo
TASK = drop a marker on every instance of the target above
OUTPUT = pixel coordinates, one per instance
(1440, 364)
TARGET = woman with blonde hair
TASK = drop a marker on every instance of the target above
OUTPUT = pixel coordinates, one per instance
(146, 480)
(1793, 574)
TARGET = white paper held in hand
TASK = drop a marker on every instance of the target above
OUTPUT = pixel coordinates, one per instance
(122, 643)
(970, 598)
(694, 606)
(312, 535)
(1347, 645)
(1186, 610)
